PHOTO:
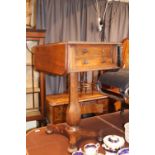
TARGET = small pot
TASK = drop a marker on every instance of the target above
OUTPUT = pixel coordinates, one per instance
(112, 143)
(91, 149)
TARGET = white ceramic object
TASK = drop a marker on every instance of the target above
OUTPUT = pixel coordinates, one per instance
(112, 143)
(91, 149)
(126, 126)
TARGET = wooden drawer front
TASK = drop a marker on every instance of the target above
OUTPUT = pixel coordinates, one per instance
(93, 57)
(59, 114)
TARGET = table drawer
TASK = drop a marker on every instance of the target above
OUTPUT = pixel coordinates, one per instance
(92, 57)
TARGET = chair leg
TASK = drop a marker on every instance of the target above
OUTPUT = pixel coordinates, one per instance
(122, 107)
(122, 113)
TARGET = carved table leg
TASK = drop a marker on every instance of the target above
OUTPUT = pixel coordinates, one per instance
(73, 113)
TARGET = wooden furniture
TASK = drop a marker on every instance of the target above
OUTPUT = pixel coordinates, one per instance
(92, 102)
(39, 143)
(35, 81)
(125, 53)
(71, 58)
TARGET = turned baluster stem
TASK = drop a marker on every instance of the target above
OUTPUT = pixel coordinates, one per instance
(73, 114)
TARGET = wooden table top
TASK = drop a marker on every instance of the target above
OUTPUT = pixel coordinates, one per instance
(39, 143)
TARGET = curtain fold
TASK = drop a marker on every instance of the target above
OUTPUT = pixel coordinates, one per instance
(76, 20)
(41, 14)
(117, 22)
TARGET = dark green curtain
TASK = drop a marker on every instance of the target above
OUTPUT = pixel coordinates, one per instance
(76, 20)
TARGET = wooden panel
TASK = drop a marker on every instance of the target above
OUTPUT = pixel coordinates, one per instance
(61, 99)
(125, 53)
(51, 58)
(92, 57)
(95, 106)
(33, 33)
(56, 105)
(57, 114)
